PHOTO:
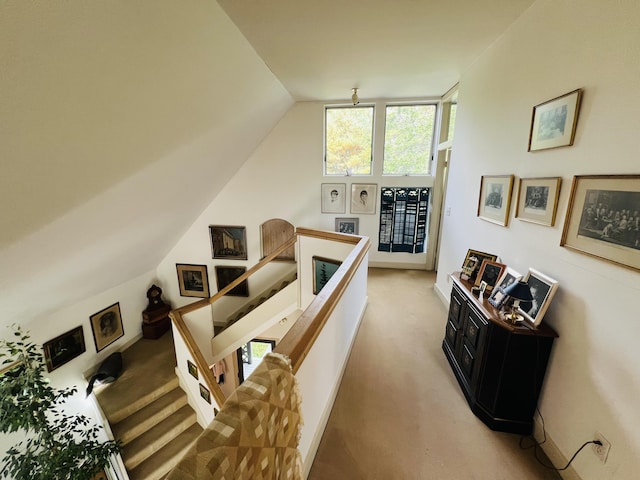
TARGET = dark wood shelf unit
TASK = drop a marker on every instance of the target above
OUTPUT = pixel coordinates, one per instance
(499, 366)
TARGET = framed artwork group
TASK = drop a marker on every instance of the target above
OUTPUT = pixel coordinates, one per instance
(363, 198)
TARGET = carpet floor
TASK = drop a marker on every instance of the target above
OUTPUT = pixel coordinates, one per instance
(399, 413)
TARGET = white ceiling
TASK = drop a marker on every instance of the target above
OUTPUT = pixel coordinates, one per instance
(320, 50)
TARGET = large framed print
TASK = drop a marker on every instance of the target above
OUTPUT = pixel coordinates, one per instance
(553, 123)
(228, 242)
(363, 198)
(543, 288)
(538, 200)
(603, 218)
(193, 280)
(494, 201)
(334, 197)
(107, 326)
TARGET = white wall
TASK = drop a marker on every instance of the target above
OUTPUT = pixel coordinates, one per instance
(593, 380)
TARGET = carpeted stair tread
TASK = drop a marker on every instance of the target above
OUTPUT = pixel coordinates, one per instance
(136, 424)
(157, 437)
(158, 465)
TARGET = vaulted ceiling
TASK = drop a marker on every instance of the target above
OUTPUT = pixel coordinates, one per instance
(120, 121)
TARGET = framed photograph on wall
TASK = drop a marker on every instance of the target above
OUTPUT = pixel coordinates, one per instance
(603, 218)
(334, 197)
(490, 272)
(553, 123)
(494, 201)
(323, 270)
(543, 288)
(64, 348)
(193, 280)
(193, 369)
(106, 326)
(347, 225)
(538, 200)
(228, 242)
(364, 198)
(205, 393)
(226, 275)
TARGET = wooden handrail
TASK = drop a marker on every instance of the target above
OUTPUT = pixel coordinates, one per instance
(302, 335)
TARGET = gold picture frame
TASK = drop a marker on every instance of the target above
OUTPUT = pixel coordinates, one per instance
(193, 280)
(602, 218)
(538, 200)
(553, 123)
(494, 201)
(490, 272)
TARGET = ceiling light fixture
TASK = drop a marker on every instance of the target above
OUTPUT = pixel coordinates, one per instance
(354, 97)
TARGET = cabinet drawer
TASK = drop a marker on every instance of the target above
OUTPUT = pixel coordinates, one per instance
(451, 333)
(468, 359)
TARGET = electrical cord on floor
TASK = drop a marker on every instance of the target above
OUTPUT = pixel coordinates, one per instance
(535, 444)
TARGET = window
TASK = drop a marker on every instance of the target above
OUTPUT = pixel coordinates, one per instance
(408, 139)
(348, 140)
(403, 219)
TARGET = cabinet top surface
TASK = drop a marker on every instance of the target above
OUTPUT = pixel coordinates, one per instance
(495, 315)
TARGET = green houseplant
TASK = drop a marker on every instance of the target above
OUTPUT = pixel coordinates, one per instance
(57, 445)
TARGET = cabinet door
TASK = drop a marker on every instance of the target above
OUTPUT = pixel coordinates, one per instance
(456, 306)
(474, 330)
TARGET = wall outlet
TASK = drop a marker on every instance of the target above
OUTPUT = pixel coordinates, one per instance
(602, 451)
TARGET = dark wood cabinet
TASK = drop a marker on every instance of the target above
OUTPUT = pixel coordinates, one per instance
(499, 366)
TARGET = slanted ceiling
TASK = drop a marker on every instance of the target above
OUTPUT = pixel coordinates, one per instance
(121, 121)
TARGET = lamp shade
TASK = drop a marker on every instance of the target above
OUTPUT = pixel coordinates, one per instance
(519, 290)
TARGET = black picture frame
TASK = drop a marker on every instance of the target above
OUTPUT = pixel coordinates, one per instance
(227, 274)
(228, 242)
(193, 280)
(193, 369)
(205, 393)
(64, 348)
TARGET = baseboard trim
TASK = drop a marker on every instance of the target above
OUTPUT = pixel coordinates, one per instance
(315, 442)
(441, 295)
(552, 451)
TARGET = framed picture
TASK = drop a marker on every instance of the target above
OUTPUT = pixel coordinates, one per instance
(473, 262)
(538, 200)
(553, 123)
(205, 393)
(193, 369)
(603, 218)
(490, 272)
(323, 270)
(64, 348)
(543, 289)
(347, 225)
(228, 242)
(107, 326)
(226, 275)
(334, 197)
(363, 198)
(498, 296)
(495, 198)
(193, 280)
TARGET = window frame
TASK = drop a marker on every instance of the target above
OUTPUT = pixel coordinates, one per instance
(373, 139)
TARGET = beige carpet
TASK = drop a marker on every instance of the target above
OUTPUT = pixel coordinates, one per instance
(400, 413)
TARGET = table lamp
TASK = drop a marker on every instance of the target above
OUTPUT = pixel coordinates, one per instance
(517, 292)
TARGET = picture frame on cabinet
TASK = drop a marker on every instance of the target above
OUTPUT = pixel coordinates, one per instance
(107, 326)
(498, 297)
(553, 123)
(490, 272)
(603, 218)
(364, 198)
(473, 262)
(334, 197)
(494, 201)
(543, 289)
(538, 200)
(63, 348)
(193, 280)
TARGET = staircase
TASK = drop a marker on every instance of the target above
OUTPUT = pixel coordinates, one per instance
(148, 411)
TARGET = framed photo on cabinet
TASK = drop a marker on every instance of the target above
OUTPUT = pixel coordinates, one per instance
(538, 200)
(490, 272)
(543, 288)
(494, 201)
